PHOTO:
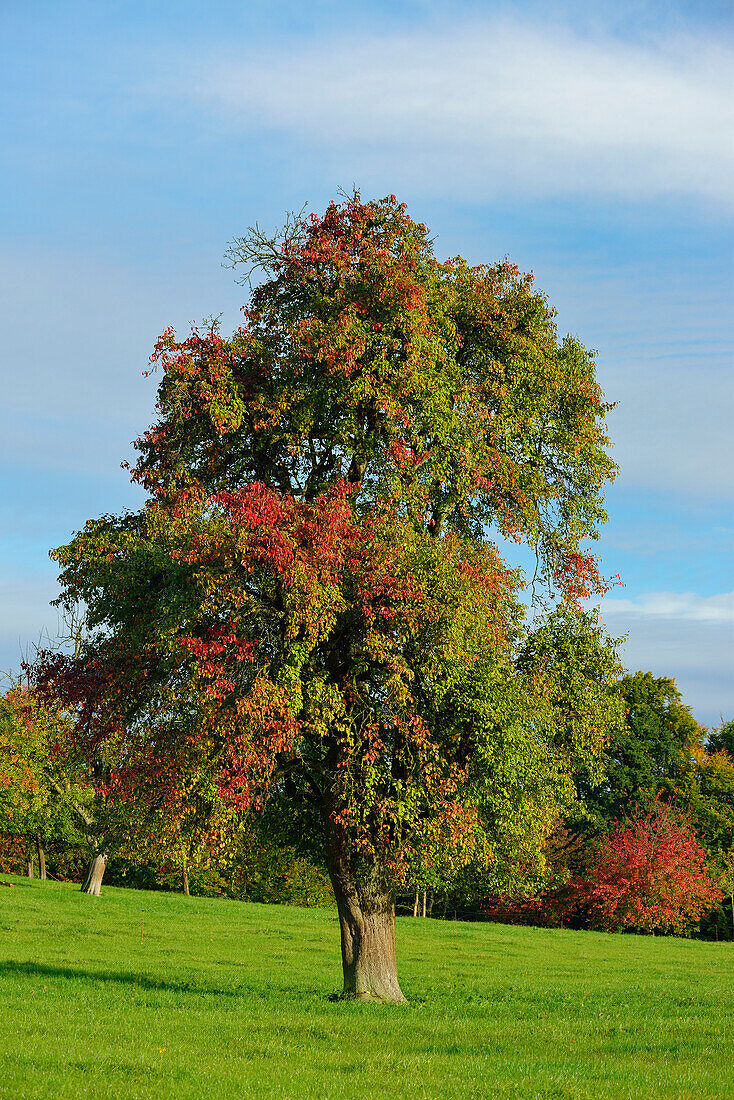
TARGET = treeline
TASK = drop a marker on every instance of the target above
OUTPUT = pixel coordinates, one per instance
(255, 870)
(648, 847)
(59, 818)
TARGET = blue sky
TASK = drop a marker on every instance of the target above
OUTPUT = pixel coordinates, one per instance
(594, 146)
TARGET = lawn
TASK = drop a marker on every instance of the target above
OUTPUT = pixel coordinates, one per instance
(227, 999)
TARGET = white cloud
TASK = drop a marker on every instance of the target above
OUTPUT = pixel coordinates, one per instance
(478, 108)
(683, 606)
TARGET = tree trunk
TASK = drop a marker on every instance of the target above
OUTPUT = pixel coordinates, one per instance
(41, 857)
(184, 871)
(95, 873)
(415, 903)
(29, 866)
(367, 921)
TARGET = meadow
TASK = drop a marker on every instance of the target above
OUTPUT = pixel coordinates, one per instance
(228, 999)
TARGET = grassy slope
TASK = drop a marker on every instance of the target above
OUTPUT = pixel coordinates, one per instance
(225, 999)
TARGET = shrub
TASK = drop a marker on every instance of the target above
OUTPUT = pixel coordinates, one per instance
(650, 875)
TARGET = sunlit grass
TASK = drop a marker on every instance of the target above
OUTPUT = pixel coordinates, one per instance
(226, 999)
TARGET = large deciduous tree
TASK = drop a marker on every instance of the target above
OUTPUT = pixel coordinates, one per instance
(310, 611)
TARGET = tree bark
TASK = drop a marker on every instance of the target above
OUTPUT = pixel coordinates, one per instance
(29, 867)
(95, 873)
(367, 922)
(185, 881)
(41, 857)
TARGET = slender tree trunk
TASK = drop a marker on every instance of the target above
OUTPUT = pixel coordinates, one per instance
(41, 857)
(184, 872)
(415, 903)
(367, 921)
(424, 904)
(29, 866)
(95, 873)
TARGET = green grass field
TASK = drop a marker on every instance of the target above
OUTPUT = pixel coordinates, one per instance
(226, 999)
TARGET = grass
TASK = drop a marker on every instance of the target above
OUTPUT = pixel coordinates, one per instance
(226, 999)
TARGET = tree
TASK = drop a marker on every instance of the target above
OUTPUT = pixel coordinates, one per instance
(725, 876)
(23, 792)
(653, 754)
(713, 808)
(309, 610)
(651, 875)
(554, 902)
(39, 793)
(713, 815)
(182, 831)
(722, 739)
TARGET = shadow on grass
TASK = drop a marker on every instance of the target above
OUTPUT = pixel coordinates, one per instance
(139, 981)
(13, 967)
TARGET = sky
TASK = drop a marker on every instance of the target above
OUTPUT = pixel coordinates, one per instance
(591, 143)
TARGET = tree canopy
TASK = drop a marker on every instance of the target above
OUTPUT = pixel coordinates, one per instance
(722, 739)
(310, 610)
(653, 754)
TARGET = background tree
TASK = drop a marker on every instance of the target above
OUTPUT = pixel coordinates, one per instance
(713, 818)
(725, 877)
(309, 610)
(177, 830)
(722, 739)
(658, 755)
(23, 792)
(713, 805)
(652, 755)
(39, 792)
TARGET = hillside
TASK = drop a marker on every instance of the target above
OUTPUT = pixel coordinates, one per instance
(225, 999)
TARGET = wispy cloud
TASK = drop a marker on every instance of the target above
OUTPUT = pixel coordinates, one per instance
(483, 107)
(687, 606)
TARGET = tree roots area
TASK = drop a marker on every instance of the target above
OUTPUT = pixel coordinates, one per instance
(144, 994)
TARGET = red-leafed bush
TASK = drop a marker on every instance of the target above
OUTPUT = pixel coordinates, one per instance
(650, 875)
(12, 854)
